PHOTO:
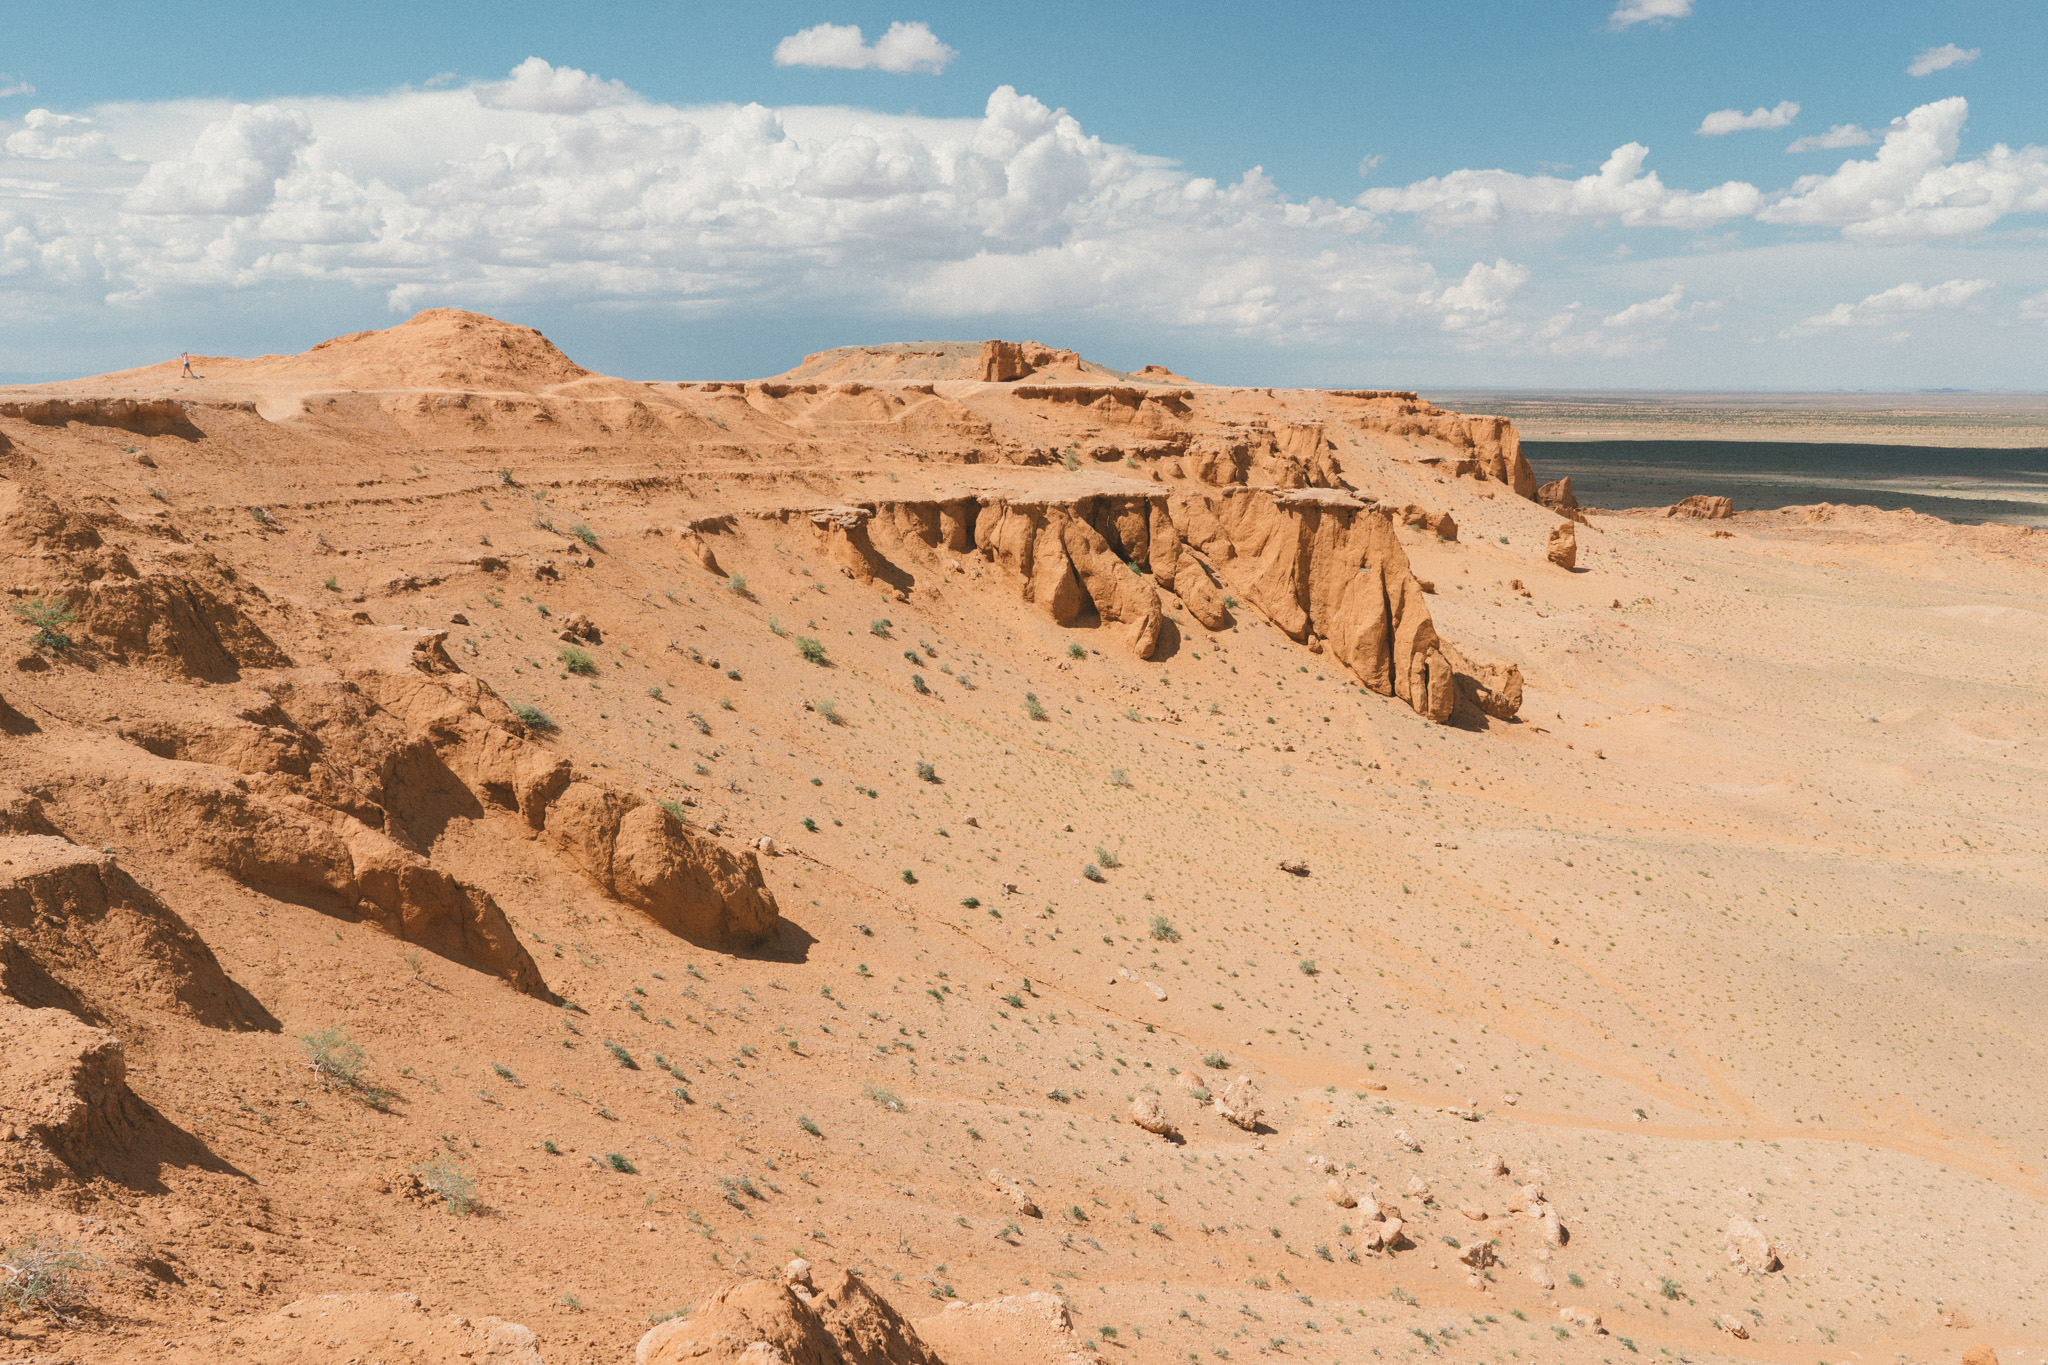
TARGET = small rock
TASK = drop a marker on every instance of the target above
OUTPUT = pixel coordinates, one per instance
(1023, 1202)
(1418, 1188)
(1563, 546)
(1158, 992)
(1401, 1138)
(1540, 1273)
(1478, 1255)
(1294, 867)
(797, 1274)
(1732, 1325)
(1474, 1212)
(766, 845)
(1583, 1317)
(1493, 1163)
(1337, 1194)
(457, 619)
(1369, 1084)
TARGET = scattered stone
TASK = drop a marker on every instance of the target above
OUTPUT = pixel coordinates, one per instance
(1418, 1188)
(1493, 1163)
(1158, 991)
(1474, 1212)
(1554, 1232)
(1583, 1317)
(1402, 1139)
(1294, 866)
(1337, 1194)
(1368, 1083)
(1478, 1255)
(1022, 1201)
(1540, 1273)
(1728, 1322)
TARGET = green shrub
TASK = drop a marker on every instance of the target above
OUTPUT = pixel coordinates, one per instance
(1105, 858)
(1074, 651)
(48, 617)
(926, 772)
(1163, 930)
(809, 647)
(918, 685)
(1308, 966)
(331, 583)
(576, 659)
(810, 824)
(829, 710)
(532, 716)
(1217, 1060)
(885, 1097)
(1034, 708)
(738, 585)
(909, 877)
(880, 626)
(624, 1058)
(1092, 873)
(1117, 778)
(334, 1057)
(584, 534)
(803, 1121)
(617, 1161)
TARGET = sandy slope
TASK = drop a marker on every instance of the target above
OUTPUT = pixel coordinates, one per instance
(1742, 916)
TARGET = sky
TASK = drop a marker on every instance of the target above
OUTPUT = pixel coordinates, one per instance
(1574, 194)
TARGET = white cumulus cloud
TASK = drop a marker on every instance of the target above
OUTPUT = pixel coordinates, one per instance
(1631, 12)
(1915, 188)
(1619, 192)
(905, 48)
(1834, 139)
(1941, 59)
(540, 88)
(10, 86)
(234, 166)
(1887, 307)
(45, 136)
(1723, 121)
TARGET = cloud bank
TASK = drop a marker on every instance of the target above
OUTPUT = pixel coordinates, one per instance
(1890, 306)
(1629, 13)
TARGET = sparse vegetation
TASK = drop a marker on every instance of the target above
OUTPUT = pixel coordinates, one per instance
(1118, 778)
(532, 716)
(39, 1276)
(880, 626)
(49, 617)
(1105, 858)
(623, 1057)
(583, 533)
(1308, 966)
(811, 649)
(331, 583)
(1217, 1060)
(576, 659)
(829, 710)
(1092, 872)
(1034, 708)
(618, 1162)
(919, 686)
(926, 772)
(445, 1178)
(1075, 651)
(1163, 930)
(803, 1121)
(885, 1097)
(738, 586)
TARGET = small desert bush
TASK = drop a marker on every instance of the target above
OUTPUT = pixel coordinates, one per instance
(1163, 930)
(576, 659)
(829, 710)
(334, 1057)
(618, 1162)
(1117, 778)
(810, 648)
(926, 772)
(456, 1186)
(623, 1057)
(1105, 858)
(1034, 708)
(48, 617)
(880, 626)
(37, 1276)
(885, 1097)
(1308, 966)
(738, 585)
(1074, 651)
(1217, 1060)
(1092, 872)
(584, 534)
(919, 686)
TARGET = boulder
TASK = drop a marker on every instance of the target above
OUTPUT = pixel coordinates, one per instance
(1240, 1104)
(1146, 1113)
(1562, 549)
(1337, 1194)
(1732, 1325)
(1478, 1255)
(1749, 1250)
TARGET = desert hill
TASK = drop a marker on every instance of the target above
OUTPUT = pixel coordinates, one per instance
(501, 860)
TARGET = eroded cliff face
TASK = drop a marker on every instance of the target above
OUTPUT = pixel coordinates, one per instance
(1322, 565)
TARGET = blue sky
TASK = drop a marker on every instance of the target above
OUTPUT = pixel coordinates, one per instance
(651, 186)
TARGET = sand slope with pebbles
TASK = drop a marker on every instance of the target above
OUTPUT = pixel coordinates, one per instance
(1127, 868)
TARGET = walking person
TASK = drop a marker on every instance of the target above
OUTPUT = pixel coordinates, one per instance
(185, 358)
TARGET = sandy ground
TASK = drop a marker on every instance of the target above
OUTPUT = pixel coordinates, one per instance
(1743, 916)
